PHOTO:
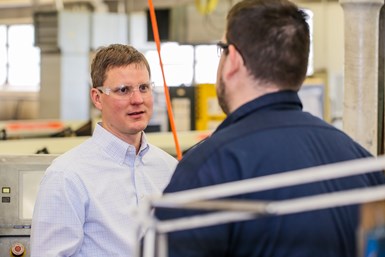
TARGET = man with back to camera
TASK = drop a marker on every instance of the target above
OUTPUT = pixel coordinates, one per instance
(87, 196)
(263, 64)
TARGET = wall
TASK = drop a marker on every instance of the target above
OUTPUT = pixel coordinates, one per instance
(328, 45)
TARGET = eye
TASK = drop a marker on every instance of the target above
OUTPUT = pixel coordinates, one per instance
(122, 90)
(144, 88)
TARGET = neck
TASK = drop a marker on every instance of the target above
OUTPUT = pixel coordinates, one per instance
(250, 91)
(138, 142)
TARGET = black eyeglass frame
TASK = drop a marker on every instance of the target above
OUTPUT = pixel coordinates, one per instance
(224, 48)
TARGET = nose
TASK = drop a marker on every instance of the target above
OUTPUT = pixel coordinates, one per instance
(136, 96)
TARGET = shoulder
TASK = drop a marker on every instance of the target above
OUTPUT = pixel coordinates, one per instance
(74, 158)
(161, 156)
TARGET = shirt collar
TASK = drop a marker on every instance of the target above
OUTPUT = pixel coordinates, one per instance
(282, 99)
(116, 148)
(144, 146)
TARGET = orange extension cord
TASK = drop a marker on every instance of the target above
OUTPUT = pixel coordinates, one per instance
(166, 92)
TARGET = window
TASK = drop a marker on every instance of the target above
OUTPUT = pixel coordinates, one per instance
(310, 67)
(3, 55)
(206, 64)
(184, 64)
(20, 69)
(177, 64)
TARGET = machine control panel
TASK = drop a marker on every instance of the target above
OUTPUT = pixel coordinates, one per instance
(20, 177)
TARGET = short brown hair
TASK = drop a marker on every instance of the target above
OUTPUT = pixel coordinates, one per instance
(273, 38)
(115, 55)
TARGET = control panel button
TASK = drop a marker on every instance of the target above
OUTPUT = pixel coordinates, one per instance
(17, 249)
(5, 199)
(6, 190)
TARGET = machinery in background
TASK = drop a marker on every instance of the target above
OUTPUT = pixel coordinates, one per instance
(20, 177)
(183, 106)
(197, 107)
(21, 129)
(208, 112)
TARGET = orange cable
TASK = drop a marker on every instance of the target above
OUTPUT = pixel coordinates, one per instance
(166, 92)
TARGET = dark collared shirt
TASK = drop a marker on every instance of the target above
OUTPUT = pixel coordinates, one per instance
(268, 135)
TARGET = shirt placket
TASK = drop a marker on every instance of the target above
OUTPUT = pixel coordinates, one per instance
(139, 180)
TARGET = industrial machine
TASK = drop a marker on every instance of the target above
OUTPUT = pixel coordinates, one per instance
(20, 176)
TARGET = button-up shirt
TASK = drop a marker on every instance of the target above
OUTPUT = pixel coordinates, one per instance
(88, 196)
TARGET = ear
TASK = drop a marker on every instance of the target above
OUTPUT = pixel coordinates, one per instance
(234, 63)
(96, 98)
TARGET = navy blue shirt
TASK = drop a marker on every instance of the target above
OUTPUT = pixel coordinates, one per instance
(268, 135)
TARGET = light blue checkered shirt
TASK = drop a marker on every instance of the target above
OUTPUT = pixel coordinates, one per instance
(85, 201)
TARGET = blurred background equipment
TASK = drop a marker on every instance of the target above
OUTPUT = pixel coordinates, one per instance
(20, 177)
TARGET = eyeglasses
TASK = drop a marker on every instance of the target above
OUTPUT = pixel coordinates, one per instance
(125, 92)
(222, 47)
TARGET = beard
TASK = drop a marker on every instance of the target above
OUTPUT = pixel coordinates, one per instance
(221, 95)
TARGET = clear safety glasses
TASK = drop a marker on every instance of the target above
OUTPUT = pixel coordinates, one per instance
(125, 92)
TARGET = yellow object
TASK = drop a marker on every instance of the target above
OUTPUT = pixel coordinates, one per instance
(208, 112)
(206, 6)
